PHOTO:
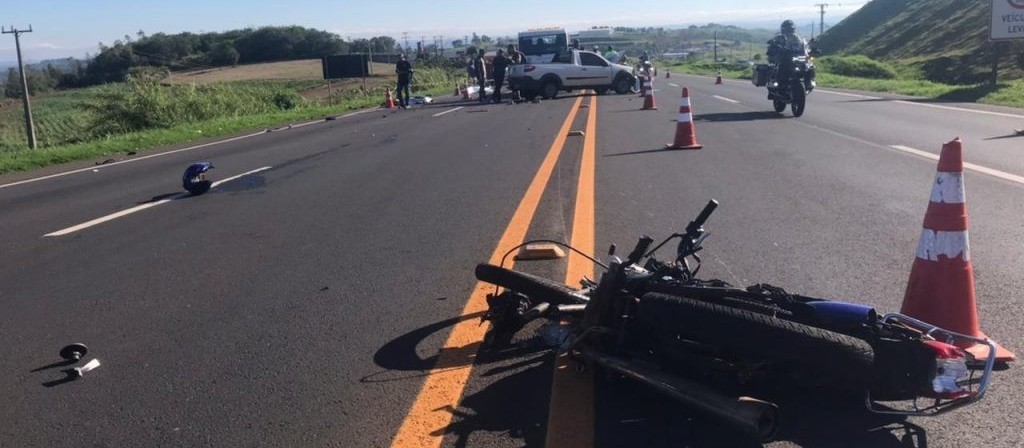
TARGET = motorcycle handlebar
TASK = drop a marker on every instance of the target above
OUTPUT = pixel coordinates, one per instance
(638, 252)
(702, 218)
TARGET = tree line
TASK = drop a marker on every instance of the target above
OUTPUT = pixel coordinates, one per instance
(162, 52)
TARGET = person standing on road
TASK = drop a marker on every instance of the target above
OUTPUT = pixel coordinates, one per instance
(404, 70)
(515, 57)
(481, 74)
(500, 64)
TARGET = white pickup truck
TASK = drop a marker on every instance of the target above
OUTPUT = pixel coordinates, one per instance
(571, 71)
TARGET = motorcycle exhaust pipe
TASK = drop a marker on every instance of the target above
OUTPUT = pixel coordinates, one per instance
(756, 418)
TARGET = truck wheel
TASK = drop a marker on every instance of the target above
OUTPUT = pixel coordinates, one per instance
(549, 90)
(623, 85)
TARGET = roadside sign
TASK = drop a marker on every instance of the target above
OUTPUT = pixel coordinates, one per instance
(1007, 20)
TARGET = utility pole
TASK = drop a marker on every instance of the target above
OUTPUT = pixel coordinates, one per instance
(716, 46)
(30, 128)
(821, 26)
(405, 37)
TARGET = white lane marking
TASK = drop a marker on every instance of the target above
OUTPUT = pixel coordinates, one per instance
(936, 106)
(849, 94)
(224, 181)
(139, 208)
(673, 84)
(970, 166)
(81, 170)
(447, 111)
(190, 148)
(960, 109)
(726, 99)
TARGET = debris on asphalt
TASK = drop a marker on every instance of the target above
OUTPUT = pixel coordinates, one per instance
(106, 162)
(79, 372)
(324, 288)
(74, 352)
(194, 179)
(576, 133)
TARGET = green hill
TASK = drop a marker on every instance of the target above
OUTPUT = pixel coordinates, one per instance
(945, 40)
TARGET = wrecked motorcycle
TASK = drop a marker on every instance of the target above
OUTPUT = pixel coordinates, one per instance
(657, 323)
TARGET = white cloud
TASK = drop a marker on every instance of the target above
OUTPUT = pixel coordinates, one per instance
(45, 45)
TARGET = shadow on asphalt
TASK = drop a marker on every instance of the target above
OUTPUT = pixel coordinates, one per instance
(1016, 134)
(646, 151)
(739, 116)
(514, 406)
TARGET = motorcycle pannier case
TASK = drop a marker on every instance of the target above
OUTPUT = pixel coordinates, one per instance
(760, 75)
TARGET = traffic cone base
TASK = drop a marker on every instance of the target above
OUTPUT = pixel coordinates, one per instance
(674, 146)
(940, 289)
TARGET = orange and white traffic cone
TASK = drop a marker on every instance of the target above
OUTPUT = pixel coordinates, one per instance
(389, 102)
(686, 134)
(649, 95)
(718, 79)
(940, 290)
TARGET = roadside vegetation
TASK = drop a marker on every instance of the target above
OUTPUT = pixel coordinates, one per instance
(142, 113)
(859, 72)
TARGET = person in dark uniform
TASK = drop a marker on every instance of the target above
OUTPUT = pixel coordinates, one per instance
(500, 64)
(404, 70)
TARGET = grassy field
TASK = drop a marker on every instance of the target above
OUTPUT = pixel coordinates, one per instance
(1008, 93)
(117, 118)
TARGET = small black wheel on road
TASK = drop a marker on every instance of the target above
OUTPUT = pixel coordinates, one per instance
(836, 356)
(799, 99)
(779, 105)
(549, 90)
(538, 289)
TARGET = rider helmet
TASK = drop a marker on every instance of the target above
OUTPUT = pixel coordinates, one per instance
(788, 27)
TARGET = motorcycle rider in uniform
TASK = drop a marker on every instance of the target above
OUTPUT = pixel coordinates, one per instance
(778, 56)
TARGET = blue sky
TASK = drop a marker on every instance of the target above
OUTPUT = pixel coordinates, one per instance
(74, 27)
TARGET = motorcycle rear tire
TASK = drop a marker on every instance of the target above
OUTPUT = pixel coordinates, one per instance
(538, 289)
(840, 358)
(799, 98)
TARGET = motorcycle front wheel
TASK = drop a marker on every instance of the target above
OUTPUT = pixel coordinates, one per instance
(799, 98)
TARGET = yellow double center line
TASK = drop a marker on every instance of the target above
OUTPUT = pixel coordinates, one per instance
(431, 411)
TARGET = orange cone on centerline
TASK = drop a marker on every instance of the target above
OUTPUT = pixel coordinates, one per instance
(389, 102)
(940, 290)
(648, 91)
(686, 134)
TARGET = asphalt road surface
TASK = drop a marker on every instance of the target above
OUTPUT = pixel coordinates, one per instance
(327, 298)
